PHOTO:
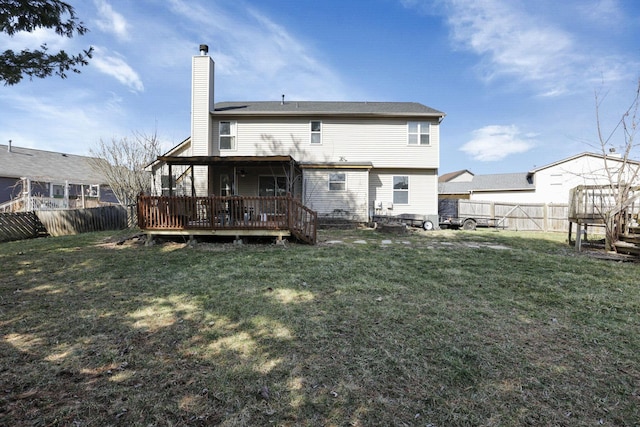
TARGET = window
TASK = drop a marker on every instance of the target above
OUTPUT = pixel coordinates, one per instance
(556, 179)
(418, 133)
(167, 183)
(401, 190)
(337, 181)
(272, 186)
(57, 191)
(316, 132)
(93, 191)
(227, 136)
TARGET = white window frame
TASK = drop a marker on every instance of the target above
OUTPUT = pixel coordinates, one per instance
(231, 135)
(56, 186)
(415, 138)
(93, 191)
(403, 190)
(313, 133)
(337, 182)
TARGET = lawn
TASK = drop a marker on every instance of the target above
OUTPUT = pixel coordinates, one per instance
(443, 328)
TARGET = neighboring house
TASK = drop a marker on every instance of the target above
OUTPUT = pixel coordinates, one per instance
(35, 180)
(546, 184)
(341, 159)
(457, 176)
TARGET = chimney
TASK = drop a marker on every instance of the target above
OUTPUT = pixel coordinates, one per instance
(202, 102)
(202, 105)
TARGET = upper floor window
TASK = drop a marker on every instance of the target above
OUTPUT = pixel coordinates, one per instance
(337, 181)
(227, 135)
(316, 132)
(418, 133)
(401, 189)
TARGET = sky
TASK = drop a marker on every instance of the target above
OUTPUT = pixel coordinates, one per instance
(519, 80)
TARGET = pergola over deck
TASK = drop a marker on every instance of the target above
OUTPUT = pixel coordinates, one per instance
(231, 215)
(287, 163)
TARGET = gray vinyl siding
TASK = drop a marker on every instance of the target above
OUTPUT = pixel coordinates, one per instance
(352, 203)
(423, 192)
(380, 141)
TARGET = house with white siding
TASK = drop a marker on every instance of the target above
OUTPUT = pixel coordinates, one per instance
(347, 160)
(548, 184)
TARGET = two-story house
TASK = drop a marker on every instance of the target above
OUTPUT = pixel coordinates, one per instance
(340, 159)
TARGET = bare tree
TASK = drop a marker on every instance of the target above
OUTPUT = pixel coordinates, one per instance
(123, 162)
(621, 170)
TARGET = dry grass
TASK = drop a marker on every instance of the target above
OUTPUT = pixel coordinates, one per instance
(435, 329)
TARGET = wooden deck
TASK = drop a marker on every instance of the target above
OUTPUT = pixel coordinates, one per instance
(601, 206)
(238, 216)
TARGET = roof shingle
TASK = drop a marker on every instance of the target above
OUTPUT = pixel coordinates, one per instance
(328, 108)
(47, 166)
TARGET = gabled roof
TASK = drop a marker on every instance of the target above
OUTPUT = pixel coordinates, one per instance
(612, 157)
(47, 166)
(326, 108)
(486, 183)
(453, 175)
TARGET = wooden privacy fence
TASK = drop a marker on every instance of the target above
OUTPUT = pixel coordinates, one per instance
(25, 225)
(20, 225)
(518, 216)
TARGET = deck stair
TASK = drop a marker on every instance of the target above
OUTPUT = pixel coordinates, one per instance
(595, 205)
(629, 241)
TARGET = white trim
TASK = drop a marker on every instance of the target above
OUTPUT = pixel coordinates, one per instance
(408, 190)
(419, 133)
(312, 132)
(232, 134)
(336, 182)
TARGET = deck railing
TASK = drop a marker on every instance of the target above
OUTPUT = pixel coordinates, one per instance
(186, 213)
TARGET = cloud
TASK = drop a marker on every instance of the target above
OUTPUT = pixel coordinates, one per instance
(34, 39)
(513, 43)
(541, 45)
(253, 48)
(111, 21)
(115, 66)
(57, 128)
(495, 142)
(603, 12)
